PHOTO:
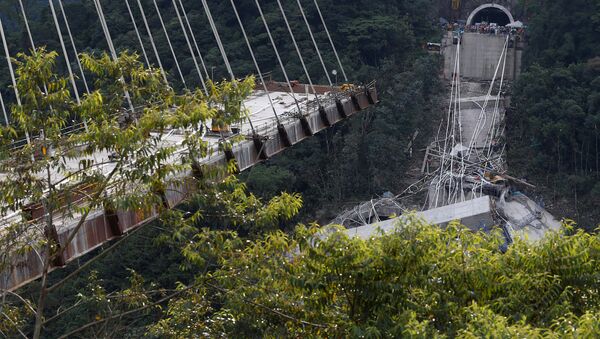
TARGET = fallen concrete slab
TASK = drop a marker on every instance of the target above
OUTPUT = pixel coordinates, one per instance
(476, 214)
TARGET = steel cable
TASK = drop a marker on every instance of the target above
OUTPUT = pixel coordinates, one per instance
(312, 37)
(331, 41)
(111, 47)
(137, 32)
(162, 23)
(281, 65)
(287, 24)
(12, 75)
(187, 40)
(83, 78)
(149, 32)
(260, 75)
(194, 40)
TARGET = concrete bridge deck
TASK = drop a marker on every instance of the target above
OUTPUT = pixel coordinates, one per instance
(100, 226)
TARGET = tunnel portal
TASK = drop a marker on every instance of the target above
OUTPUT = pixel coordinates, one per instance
(490, 13)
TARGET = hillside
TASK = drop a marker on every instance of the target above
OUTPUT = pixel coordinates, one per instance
(554, 124)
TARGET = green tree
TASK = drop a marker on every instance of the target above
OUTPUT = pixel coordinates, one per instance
(418, 281)
(70, 174)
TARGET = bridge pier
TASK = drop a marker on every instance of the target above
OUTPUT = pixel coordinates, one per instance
(306, 126)
(283, 135)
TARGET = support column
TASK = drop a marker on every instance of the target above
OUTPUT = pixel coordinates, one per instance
(324, 117)
(259, 145)
(306, 126)
(340, 108)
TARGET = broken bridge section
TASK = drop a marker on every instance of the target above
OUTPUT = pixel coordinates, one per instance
(104, 224)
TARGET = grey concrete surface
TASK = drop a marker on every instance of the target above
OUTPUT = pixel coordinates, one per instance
(475, 214)
(479, 56)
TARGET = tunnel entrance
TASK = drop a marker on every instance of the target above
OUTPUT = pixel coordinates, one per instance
(490, 13)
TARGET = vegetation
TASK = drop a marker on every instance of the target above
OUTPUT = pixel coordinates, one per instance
(420, 281)
(554, 124)
(59, 169)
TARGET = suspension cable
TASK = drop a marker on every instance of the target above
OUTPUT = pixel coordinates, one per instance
(492, 132)
(460, 128)
(137, 32)
(4, 110)
(445, 149)
(162, 70)
(85, 83)
(162, 23)
(33, 49)
(12, 75)
(187, 40)
(310, 82)
(218, 38)
(331, 41)
(64, 49)
(104, 29)
(67, 60)
(312, 37)
(260, 75)
(224, 55)
(27, 24)
(194, 39)
(111, 47)
(281, 65)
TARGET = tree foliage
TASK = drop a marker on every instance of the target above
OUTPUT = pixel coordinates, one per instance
(553, 125)
(419, 281)
(68, 173)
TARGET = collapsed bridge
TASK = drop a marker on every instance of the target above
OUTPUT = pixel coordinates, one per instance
(464, 175)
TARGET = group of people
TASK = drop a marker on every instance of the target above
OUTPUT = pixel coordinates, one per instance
(486, 28)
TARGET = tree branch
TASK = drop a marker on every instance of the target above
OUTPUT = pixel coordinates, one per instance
(283, 315)
(84, 216)
(15, 325)
(88, 325)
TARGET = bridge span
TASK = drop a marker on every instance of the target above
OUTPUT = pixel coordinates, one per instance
(269, 139)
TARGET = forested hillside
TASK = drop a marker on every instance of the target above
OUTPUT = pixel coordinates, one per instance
(553, 128)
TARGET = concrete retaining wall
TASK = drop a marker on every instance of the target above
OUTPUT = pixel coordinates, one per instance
(479, 55)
